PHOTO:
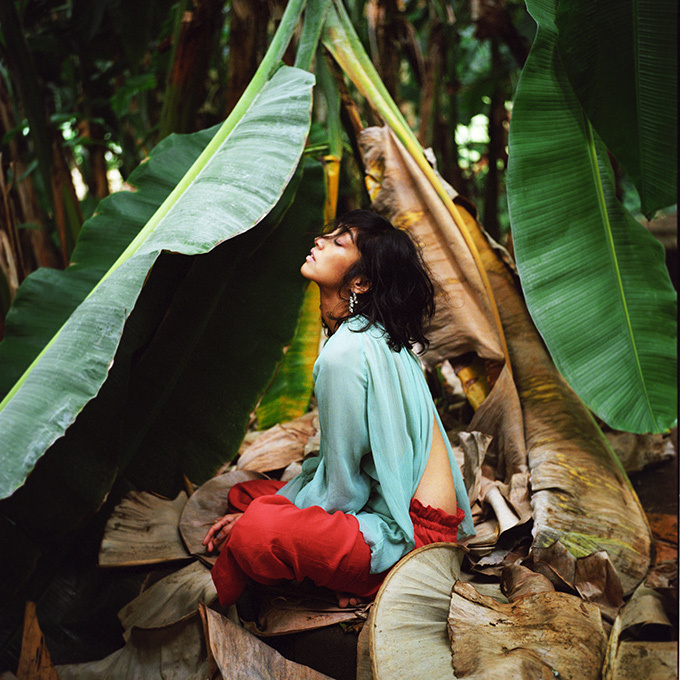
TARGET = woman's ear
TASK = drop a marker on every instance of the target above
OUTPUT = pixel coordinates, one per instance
(360, 285)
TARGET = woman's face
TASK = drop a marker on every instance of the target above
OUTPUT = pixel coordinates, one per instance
(330, 259)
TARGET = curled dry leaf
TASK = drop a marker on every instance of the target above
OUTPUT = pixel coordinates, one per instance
(503, 528)
(470, 449)
(642, 644)
(596, 581)
(518, 581)
(238, 654)
(556, 563)
(493, 563)
(169, 600)
(174, 652)
(504, 514)
(544, 636)
(278, 446)
(645, 618)
(593, 576)
(282, 610)
(206, 504)
(143, 530)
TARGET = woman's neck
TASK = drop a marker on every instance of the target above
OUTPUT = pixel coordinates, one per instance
(332, 307)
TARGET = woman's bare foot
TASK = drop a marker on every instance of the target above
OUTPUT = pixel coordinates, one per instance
(349, 600)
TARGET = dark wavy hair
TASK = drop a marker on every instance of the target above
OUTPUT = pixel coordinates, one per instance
(401, 294)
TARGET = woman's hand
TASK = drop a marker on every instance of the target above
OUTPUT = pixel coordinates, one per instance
(220, 530)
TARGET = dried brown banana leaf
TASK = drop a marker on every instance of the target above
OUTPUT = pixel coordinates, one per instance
(592, 577)
(206, 504)
(462, 322)
(175, 652)
(470, 451)
(288, 609)
(172, 599)
(580, 493)
(493, 563)
(518, 581)
(407, 626)
(541, 636)
(641, 643)
(556, 563)
(35, 662)
(278, 446)
(596, 581)
(648, 660)
(143, 530)
(238, 654)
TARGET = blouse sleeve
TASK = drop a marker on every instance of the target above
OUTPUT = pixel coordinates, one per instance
(340, 383)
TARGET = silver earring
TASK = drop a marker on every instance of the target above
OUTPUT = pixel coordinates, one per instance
(352, 302)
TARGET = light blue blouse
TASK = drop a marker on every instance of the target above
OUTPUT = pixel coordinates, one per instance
(375, 415)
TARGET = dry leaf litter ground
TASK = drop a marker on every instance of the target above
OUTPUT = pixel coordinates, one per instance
(161, 626)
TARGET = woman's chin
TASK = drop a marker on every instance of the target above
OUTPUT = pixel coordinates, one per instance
(304, 270)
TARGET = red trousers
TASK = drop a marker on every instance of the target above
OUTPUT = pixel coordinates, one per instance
(275, 540)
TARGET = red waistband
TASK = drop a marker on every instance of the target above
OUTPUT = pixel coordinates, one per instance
(434, 518)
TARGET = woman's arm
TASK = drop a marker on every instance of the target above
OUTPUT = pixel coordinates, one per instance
(338, 482)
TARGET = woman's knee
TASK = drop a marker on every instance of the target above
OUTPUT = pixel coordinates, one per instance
(263, 520)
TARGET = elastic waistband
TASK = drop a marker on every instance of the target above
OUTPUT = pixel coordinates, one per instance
(434, 518)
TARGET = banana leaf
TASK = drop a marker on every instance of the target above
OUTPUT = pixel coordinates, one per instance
(171, 651)
(290, 392)
(232, 185)
(621, 59)
(407, 627)
(547, 635)
(194, 386)
(69, 482)
(580, 494)
(595, 279)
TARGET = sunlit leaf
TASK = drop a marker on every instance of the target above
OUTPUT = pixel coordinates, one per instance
(232, 185)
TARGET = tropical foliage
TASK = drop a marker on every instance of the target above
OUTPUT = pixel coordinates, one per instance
(140, 362)
(594, 278)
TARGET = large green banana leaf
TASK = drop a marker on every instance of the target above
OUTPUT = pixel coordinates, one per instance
(621, 59)
(200, 376)
(594, 278)
(232, 186)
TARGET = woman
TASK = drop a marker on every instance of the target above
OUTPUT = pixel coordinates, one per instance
(385, 480)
